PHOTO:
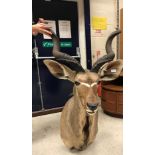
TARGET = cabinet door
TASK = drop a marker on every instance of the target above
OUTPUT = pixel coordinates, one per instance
(109, 100)
(120, 103)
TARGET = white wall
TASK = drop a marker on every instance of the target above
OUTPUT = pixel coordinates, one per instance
(121, 4)
(103, 8)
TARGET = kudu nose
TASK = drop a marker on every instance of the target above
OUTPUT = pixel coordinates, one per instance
(92, 106)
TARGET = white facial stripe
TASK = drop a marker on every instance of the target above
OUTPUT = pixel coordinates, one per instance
(88, 85)
(93, 84)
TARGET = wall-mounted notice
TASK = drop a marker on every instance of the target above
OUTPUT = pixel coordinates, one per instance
(97, 33)
(52, 25)
(99, 23)
(64, 28)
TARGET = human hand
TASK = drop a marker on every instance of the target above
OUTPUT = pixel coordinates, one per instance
(41, 27)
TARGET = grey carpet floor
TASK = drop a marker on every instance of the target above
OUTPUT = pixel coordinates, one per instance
(46, 136)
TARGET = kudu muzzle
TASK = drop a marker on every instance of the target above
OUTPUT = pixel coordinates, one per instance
(92, 108)
(92, 105)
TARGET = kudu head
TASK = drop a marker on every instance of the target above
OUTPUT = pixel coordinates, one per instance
(85, 81)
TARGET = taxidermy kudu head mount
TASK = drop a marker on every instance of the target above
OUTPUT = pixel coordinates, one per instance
(79, 118)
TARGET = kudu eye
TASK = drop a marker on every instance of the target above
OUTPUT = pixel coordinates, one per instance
(77, 83)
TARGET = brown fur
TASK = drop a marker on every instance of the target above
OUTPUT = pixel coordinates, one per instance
(78, 124)
(78, 129)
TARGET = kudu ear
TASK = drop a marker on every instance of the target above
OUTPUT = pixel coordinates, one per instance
(111, 70)
(60, 71)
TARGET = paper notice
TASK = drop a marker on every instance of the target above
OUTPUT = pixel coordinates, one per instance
(52, 24)
(99, 23)
(64, 28)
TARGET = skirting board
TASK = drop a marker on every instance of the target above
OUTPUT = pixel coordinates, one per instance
(47, 111)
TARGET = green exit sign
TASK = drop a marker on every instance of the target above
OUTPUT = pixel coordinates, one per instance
(48, 44)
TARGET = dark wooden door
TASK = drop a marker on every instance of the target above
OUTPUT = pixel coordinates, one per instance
(54, 92)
